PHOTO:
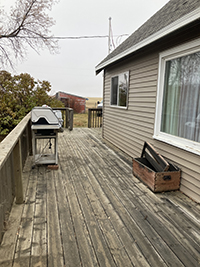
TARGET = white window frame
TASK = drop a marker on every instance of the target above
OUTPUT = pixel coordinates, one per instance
(117, 106)
(179, 51)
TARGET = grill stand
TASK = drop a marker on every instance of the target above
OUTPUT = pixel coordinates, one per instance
(44, 158)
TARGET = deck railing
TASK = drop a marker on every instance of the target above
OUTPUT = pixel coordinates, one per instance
(94, 117)
(14, 150)
(68, 114)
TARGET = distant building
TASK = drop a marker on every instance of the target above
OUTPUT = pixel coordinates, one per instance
(78, 103)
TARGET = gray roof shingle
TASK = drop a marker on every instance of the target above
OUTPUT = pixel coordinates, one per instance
(172, 11)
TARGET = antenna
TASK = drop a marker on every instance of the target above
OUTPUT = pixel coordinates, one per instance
(109, 36)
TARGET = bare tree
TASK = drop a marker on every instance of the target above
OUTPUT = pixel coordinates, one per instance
(27, 25)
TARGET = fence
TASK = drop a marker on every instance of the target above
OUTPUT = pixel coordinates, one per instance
(68, 114)
(14, 151)
(94, 117)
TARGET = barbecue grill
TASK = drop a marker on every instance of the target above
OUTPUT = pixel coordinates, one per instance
(46, 123)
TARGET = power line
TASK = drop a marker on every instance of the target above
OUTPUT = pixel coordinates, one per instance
(72, 37)
(80, 37)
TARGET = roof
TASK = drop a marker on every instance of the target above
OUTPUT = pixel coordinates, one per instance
(172, 16)
(71, 95)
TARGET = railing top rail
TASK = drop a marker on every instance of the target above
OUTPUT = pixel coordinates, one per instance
(94, 109)
(9, 142)
(62, 108)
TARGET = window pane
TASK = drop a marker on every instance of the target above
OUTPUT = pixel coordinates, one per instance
(181, 99)
(123, 89)
(114, 89)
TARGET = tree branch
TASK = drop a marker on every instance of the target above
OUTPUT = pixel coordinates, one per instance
(29, 25)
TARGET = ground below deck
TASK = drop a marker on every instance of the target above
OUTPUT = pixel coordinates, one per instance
(93, 212)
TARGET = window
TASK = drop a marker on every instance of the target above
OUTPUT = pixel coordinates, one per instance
(119, 90)
(178, 101)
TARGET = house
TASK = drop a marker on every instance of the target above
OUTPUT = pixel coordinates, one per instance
(78, 103)
(152, 90)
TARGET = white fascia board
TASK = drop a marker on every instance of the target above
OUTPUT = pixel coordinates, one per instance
(190, 17)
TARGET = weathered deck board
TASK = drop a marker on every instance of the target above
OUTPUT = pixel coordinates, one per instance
(70, 249)
(99, 225)
(39, 235)
(54, 241)
(93, 212)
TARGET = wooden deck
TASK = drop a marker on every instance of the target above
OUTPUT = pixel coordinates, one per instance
(93, 212)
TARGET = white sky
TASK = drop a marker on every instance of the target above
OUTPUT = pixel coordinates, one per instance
(73, 69)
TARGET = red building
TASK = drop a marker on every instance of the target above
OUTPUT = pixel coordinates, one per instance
(78, 103)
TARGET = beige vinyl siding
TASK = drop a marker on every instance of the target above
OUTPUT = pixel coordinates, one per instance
(129, 128)
(135, 123)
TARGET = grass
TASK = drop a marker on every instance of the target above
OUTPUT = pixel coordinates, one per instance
(92, 102)
(80, 120)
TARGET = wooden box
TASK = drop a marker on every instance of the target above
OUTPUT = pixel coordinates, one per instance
(155, 171)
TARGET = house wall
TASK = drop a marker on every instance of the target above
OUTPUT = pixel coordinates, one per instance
(129, 128)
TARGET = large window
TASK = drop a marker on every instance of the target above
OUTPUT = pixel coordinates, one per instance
(178, 102)
(119, 90)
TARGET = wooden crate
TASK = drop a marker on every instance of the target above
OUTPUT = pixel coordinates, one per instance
(155, 172)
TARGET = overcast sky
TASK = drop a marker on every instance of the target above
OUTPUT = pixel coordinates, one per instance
(73, 69)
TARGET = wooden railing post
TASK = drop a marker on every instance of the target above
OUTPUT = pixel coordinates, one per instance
(71, 117)
(66, 119)
(89, 118)
(11, 151)
(94, 117)
(17, 162)
(30, 150)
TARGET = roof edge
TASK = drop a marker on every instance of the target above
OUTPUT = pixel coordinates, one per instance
(190, 17)
(71, 94)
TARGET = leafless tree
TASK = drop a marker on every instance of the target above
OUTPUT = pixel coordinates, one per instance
(27, 25)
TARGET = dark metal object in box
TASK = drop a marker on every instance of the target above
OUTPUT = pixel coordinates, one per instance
(156, 172)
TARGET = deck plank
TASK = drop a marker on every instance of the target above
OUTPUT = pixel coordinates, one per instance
(70, 249)
(24, 236)
(85, 247)
(171, 217)
(173, 254)
(55, 249)
(39, 235)
(102, 175)
(104, 238)
(93, 212)
(104, 211)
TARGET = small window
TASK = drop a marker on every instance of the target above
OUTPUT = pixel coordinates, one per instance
(119, 90)
(178, 97)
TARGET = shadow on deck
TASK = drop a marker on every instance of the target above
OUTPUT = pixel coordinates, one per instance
(93, 212)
